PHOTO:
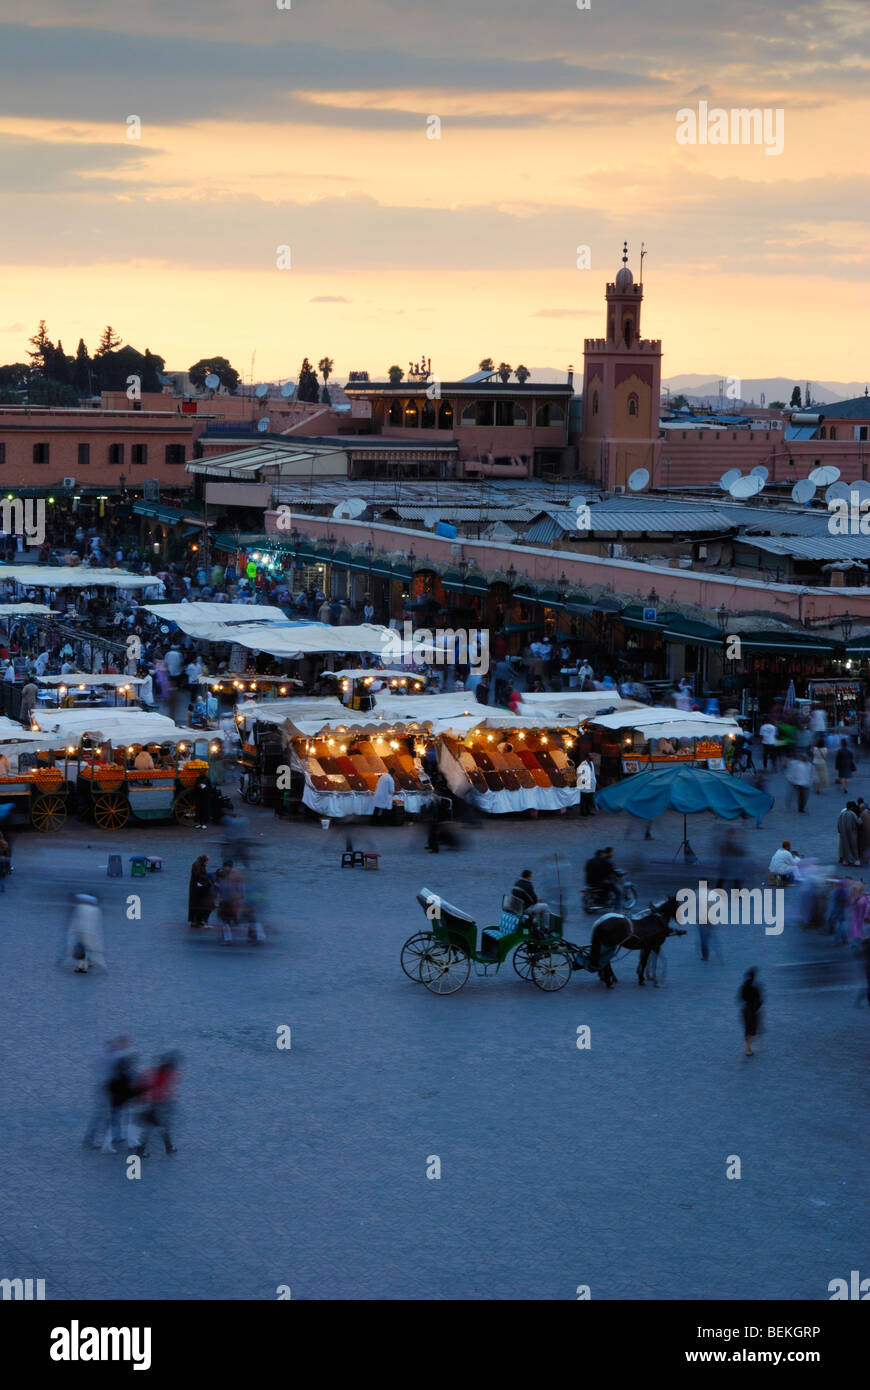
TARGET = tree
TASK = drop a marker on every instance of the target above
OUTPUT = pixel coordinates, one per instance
(14, 376)
(82, 373)
(522, 374)
(229, 377)
(308, 388)
(109, 341)
(504, 371)
(776, 405)
(151, 371)
(395, 374)
(678, 402)
(796, 397)
(487, 365)
(45, 392)
(59, 367)
(43, 347)
(325, 366)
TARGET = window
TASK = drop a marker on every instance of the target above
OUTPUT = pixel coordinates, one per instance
(833, 433)
(734, 436)
(823, 433)
(485, 413)
(175, 453)
(427, 415)
(40, 453)
(504, 412)
(521, 415)
(138, 453)
(628, 332)
(83, 455)
(595, 403)
(411, 418)
(396, 413)
(862, 432)
(683, 434)
(2, 453)
(469, 414)
(116, 453)
(445, 416)
(633, 403)
(716, 435)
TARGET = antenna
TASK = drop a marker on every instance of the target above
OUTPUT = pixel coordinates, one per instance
(642, 254)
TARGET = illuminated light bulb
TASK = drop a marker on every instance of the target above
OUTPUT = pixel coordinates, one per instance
(70, 749)
(522, 733)
(343, 747)
(544, 739)
(181, 747)
(283, 690)
(62, 689)
(253, 685)
(214, 747)
(131, 749)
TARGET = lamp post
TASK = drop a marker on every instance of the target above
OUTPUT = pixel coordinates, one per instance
(511, 576)
(722, 619)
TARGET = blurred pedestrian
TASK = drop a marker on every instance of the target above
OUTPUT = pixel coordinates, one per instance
(847, 832)
(159, 1091)
(202, 794)
(820, 769)
(201, 893)
(751, 1000)
(844, 763)
(84, 937)
(100, 1124)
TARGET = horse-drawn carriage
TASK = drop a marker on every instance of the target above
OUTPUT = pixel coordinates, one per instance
(441, 958)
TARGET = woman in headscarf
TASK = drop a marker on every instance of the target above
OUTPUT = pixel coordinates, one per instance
(820, 768)
(200, 897)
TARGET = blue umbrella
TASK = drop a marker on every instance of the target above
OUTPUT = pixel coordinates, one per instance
(686, 790)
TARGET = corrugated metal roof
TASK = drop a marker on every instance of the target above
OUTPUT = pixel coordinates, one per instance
(812, 548)
(485, 513)
(800, 431)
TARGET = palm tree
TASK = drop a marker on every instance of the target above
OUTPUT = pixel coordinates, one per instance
(487, 365)
(395, 374)
(504, 371)
(325, 366)
(522, 374)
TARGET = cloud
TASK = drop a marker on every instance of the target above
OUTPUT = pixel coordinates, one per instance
(12, 328)
(330, 299)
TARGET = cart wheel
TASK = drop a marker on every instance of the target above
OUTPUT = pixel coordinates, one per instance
(253, 793)
(656, 968)
(414, 952)
(111, 811)
(524, 958)
(444, 969)
(551, 969)
(48, 813)
(183, 808)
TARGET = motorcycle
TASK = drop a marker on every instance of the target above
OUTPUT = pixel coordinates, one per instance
(619, 894)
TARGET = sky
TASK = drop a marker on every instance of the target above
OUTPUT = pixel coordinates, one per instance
(310, 128)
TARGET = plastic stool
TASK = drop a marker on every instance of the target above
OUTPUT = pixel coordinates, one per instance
(114, 868)
(370, 861)
(352, 857)
(138, 866)
(155, 863)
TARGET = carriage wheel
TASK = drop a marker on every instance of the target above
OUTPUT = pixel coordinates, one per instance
(414, 952)
(551, 969)
(111, 811)
(253, 792)
(48, 813)
(183, 808)
(524, 958)
(656, 968)
(444, 969)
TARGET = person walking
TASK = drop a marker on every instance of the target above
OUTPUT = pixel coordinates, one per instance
(99, 1127)
(847, 832)
(382, 802)
(202, 794)
(587, 782)
(800, 774)
(29, 695)
(160, 1092)
(863, 830)
(84, 938)
(201, 893)
(769, 749)
(820, 769)
(123, 1088)
(751, 1000)
(844, 763)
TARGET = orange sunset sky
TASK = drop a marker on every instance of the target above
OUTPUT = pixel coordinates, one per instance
(307, 127)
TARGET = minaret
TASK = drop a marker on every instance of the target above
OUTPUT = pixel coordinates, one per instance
(621, 390)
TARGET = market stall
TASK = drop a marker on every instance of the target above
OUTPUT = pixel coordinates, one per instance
(628, 741)
(33, 786)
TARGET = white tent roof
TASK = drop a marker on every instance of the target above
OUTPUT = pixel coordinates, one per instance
(310, 639)
(25, 610)
(12, 732)
(668, 723)
(208, 620)
(75, 577)
(576, 704)
(362, 673)
(115, 725)
(82, 678)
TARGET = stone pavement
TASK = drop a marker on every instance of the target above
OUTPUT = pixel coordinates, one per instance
(307, 1167)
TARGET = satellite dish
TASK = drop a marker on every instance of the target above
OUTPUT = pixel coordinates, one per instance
(803, 492)
(728, 478)
(746, 487)
(288, 390)
(576, 503)
(759, 472)
(212, 381)
(351, 507)
(862, 489)
(263, 425)
(262, 392)
(638, 480)
(824, 475)
(836, 491)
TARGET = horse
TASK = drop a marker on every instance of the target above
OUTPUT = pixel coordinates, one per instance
(646, 933)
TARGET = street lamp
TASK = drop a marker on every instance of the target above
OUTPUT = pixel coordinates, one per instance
(412, 559)
(722, 618)
(562, 584)
(511, 576)
(846, 625)
(652, 599)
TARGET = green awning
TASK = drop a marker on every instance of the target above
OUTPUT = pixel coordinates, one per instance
(169, 515)
(403, 572)
(520, 627)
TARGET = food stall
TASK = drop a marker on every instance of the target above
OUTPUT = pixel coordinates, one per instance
(842, 701)
(100, 747)
(32, 785)
(79, 688)
(629, 741)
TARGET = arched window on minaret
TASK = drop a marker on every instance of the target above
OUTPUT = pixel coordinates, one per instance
(594, 402)
(633, 403)
(629, 328)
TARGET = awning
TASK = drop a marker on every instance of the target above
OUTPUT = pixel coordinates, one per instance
(170, 515)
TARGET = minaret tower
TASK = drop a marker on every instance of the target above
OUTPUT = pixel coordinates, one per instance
(621, 390)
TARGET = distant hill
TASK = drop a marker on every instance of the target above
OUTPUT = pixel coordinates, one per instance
(700, 387)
